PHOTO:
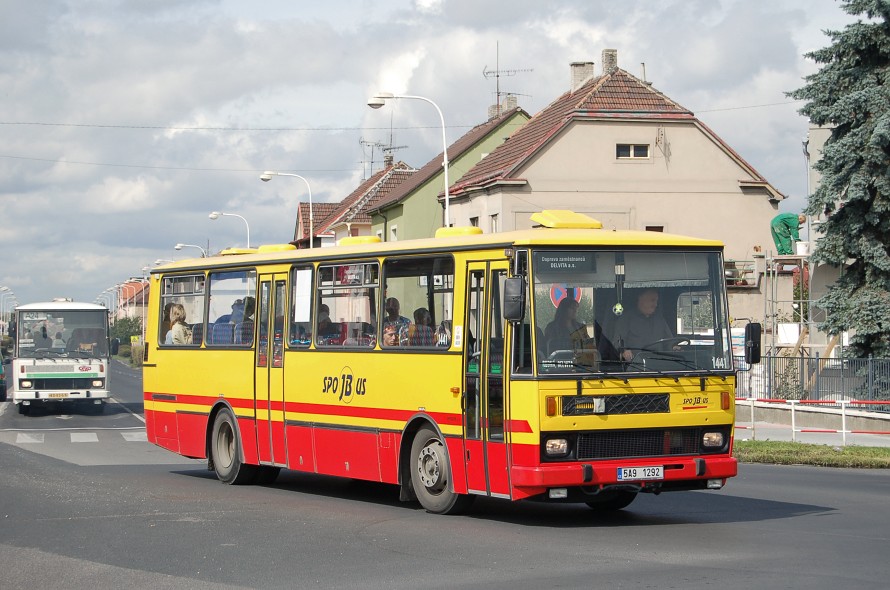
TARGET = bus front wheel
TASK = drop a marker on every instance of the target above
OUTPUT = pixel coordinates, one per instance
(431, 475)
(225, 450)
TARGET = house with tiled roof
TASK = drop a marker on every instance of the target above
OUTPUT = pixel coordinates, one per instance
(316, 212)
(412, 210)
(350, 216)
(617, 149)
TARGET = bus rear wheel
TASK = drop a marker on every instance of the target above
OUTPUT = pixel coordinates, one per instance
(225, 450)
(431, 475)
(610, 501)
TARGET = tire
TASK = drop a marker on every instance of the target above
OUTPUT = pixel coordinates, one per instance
(23, 409)
(611, 501)
(225, 450)
(431, 475)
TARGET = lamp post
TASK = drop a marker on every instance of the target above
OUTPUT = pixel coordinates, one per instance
(181, 246)
(5, 292)
(218, 214)
(267, 176)
(379, 99)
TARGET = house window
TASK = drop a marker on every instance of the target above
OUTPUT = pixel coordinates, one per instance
(474, 221)
(495, 227)
(379, 234)
(659, 228)
(394, 233)
(630, 151)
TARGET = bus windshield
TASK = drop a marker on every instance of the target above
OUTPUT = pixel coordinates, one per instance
(71, 333)
(629, 311)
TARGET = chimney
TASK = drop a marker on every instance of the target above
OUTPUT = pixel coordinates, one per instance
(582, 72)
(388, 160)
(610, 61)
(508, 104)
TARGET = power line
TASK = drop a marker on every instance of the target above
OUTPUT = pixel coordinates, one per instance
(145, 166)
(235, 129)
(753, 106)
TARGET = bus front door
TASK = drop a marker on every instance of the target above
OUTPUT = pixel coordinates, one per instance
(269, 401)
(485, 444)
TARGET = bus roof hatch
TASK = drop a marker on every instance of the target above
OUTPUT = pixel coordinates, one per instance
(561, 218)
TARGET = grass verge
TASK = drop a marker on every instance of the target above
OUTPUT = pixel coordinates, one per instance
(794, 453)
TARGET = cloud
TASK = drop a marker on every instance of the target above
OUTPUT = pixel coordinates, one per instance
(123, 128)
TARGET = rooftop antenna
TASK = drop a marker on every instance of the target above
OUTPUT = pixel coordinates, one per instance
(496, 73)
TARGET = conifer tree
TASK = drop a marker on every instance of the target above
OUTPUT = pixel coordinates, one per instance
(851, 94)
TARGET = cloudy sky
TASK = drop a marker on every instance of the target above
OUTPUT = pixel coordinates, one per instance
(124, 123)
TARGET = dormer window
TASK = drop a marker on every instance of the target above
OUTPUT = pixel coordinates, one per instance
(632, 151)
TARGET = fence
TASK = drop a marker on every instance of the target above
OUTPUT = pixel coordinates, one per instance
(875, 426)
(815, 379)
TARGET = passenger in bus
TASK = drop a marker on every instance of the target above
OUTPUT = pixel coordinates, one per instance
(236, 316)
(390, 335)
(165, 324)
(420, 333)
(180, 332)
(249, 308)
(565, 332)
(327, 332)
(392, 308)
(58, 342)
(640, 327)
(42, 339)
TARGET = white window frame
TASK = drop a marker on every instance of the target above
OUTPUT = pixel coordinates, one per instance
(632, 147)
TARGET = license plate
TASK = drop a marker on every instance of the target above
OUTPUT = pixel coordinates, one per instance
(640, 473)
(58, 395)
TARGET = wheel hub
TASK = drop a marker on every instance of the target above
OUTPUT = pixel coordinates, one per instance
(428, 467)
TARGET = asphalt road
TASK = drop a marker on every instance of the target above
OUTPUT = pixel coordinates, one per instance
(118, 513)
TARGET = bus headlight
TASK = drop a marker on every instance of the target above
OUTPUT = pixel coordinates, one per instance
(712, 440)
(26, 384)
(556, 447)
(98, 383)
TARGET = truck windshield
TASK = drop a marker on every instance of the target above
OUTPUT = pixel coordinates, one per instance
(73, 333)
(629, 312)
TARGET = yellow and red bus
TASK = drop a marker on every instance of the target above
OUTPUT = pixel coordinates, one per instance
(438, 365)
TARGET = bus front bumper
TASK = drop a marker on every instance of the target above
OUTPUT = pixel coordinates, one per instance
(676, 471)
(51, 396)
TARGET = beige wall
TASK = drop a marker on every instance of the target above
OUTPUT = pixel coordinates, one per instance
(690, 186)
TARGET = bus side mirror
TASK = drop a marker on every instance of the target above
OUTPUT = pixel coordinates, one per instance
(752, 343)
(514, 299)
(115, 345)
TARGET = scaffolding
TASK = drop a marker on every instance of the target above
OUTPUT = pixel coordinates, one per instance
(790, 315)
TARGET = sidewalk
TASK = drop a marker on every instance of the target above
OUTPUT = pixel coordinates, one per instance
(783, 432)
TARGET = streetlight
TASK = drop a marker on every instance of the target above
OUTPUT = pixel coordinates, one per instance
(267, 176)
(218, 214)
(379, 99)
(181, 246)
(6, 292)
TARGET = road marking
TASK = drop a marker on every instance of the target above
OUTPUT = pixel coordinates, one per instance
(81, 437)
(23, 438)
(135, 415)
(135, 436)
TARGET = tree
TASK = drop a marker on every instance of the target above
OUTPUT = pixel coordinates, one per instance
(851, 94)
(123, 328)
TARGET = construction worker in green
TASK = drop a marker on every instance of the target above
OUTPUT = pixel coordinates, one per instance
(784, 228)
